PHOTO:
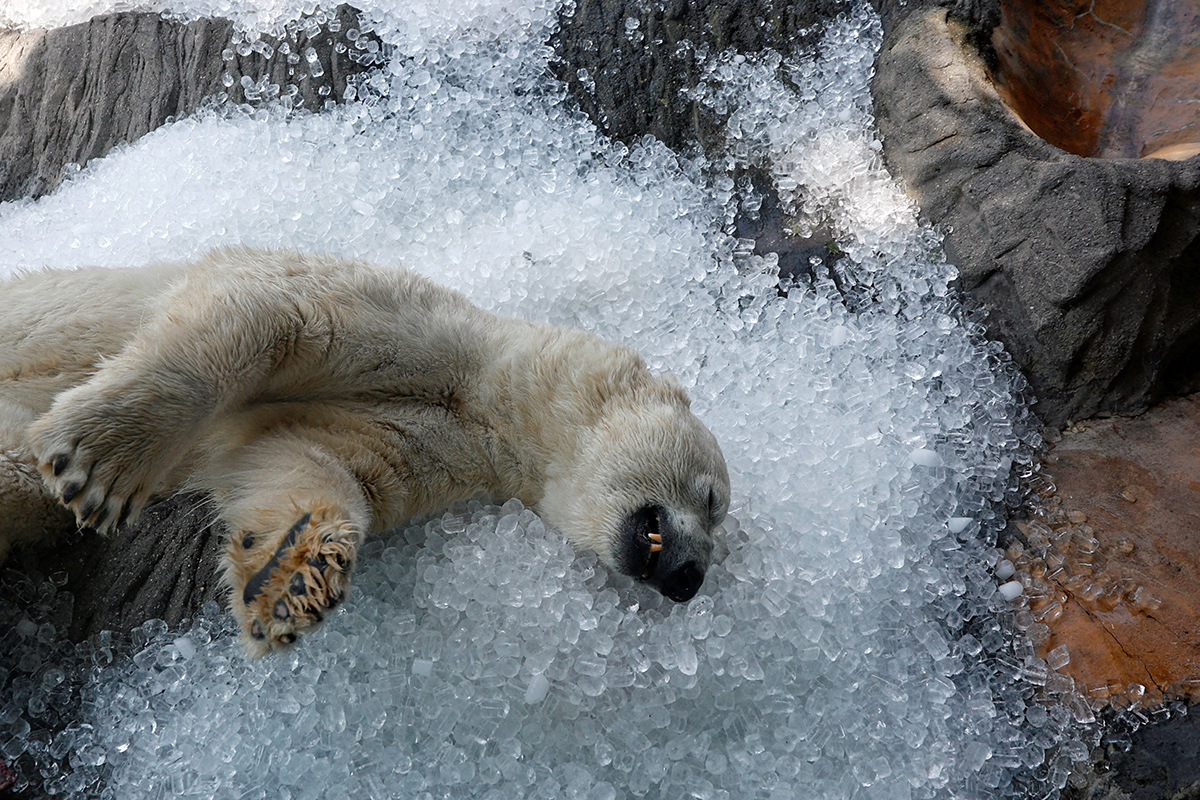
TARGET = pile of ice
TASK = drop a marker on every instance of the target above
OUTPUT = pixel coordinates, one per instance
(850, 644)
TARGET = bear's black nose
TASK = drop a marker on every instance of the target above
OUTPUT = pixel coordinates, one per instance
(682, 584)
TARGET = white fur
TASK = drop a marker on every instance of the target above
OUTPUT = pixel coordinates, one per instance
(276, 380)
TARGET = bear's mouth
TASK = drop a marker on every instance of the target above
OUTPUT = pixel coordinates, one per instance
(654, 551)
(655, 541)
(643, 542)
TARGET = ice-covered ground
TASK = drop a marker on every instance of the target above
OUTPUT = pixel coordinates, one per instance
(850, 644)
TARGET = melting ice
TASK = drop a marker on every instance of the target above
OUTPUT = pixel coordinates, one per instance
(850, 643)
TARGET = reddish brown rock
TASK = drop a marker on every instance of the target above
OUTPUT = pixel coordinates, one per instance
(1104, 78)
(1118, 549)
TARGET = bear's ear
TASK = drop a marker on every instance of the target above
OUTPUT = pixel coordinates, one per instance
(674, 388)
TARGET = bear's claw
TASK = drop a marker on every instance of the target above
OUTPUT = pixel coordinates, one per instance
(99, 459)
(59, 464)
(304, 577)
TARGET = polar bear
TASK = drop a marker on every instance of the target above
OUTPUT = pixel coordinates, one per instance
(320, 399)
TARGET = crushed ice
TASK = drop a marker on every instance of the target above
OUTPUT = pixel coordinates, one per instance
(852, 642)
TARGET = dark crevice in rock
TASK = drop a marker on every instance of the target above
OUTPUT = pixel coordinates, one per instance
(630, 64)
(1117, 641)
(800, 259)
(279, 66)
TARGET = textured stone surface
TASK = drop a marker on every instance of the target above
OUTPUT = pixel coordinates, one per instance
(1113, 559)
(71, 94)
(1087, 268)
(1157, 762)
(1111, 564)
(1138, 482)
(163, 567)
(640, 59)
(1163, 762)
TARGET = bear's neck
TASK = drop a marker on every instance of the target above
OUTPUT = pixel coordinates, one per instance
(544, 388)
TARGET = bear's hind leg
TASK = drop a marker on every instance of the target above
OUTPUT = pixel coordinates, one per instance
(296, 517)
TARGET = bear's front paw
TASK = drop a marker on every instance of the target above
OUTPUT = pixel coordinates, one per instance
(284, 584)
(102, 463)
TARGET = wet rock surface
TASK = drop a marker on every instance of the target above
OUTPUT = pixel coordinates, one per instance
(1162, 761)
(1113, 560)
(1138, 482)
(1111, 566)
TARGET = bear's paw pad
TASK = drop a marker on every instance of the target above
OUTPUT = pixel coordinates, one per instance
(290, 588)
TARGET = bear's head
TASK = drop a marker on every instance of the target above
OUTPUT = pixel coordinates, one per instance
(646, 489)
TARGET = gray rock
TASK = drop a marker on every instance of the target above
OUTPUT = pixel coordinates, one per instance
(71, 94)
(630, 64)
(1158, 761)
(164, 566)
(1088, 270)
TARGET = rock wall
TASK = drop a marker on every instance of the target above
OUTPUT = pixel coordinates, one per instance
(164, 566)
(1087, 268)
(71, 94)
(630, 64)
